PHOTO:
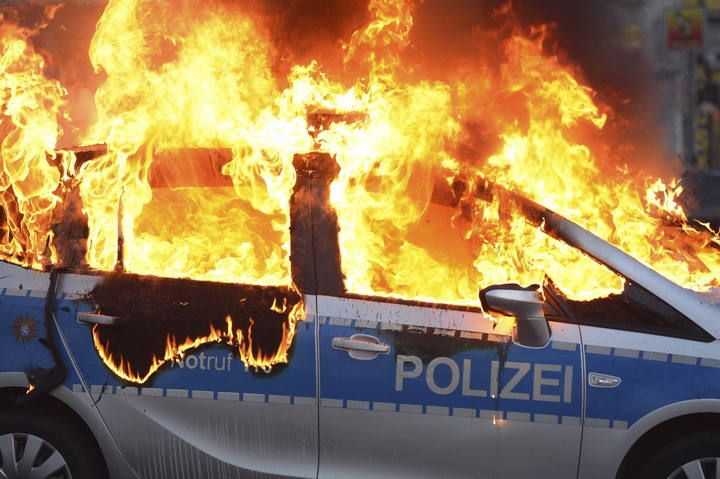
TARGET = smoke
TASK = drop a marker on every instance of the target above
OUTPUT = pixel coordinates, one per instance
(588, 35)
(306, 30)
(448, 35)
(591, 34)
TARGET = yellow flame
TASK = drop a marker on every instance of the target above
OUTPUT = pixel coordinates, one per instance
(30, 106)
(181, 76)
(178, 83)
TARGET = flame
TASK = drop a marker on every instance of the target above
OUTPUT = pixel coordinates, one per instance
(174, 350)
(180, 76)
(548, 161)
(30, 106)
(173, 84)
(556, 155)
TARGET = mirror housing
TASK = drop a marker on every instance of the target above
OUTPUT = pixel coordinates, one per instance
(526, 305)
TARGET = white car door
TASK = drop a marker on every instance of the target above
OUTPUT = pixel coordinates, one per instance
(206, 415)
(411, 390)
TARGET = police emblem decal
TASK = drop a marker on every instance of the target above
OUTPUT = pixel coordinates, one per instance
(25, 329)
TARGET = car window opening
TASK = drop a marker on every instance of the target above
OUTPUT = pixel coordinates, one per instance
(634, 309)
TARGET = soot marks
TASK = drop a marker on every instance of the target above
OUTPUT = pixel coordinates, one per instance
(161, 315)
(428, 345)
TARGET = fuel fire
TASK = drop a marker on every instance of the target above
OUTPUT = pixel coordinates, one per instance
(206, 74)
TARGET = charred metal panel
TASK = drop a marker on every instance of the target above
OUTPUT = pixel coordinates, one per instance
(71, 232)
(314, 247)
(429, 343)
(154, 312)
(205, 414)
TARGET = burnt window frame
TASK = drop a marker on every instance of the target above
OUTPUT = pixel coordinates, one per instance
(316, 259)
(566, 314)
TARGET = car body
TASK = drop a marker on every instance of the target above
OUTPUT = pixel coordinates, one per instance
(382, 387)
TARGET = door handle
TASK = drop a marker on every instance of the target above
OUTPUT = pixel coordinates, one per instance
(361, 346)
(606, 381)
(93, 318)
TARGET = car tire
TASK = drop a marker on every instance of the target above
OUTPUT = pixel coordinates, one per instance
(44, 442)
(695, 455)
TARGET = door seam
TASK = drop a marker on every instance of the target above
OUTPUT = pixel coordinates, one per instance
(316, 330)
(84, 384)
(583, 391)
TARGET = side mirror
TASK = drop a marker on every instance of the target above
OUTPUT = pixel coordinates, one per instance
(526, 305)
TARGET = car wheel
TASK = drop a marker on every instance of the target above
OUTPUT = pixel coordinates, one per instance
(695, 456)
(29, 456)
(35, 444)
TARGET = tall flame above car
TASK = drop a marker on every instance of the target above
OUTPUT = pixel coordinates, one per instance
(30, 105)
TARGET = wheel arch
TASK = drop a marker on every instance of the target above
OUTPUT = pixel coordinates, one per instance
(663, 433)
(53, 406)
(78, 409)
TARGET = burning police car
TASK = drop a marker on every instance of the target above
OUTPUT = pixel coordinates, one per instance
(95, 380)
(264, 268)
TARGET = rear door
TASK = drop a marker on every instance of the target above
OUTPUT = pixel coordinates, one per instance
(206, 414)
(411, 390)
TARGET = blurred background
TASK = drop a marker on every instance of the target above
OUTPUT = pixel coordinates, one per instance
(680, 42)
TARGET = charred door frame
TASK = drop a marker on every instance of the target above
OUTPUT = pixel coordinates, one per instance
(315, 256)
(314, 245)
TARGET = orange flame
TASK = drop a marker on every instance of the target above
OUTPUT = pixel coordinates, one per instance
(30, 105)
(556, 155)
(213, 89)
(181, 76)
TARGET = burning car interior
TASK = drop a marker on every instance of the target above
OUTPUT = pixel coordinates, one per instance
(207, 175)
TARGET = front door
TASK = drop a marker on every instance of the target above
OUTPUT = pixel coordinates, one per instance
(209, 413)
(412, 391)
